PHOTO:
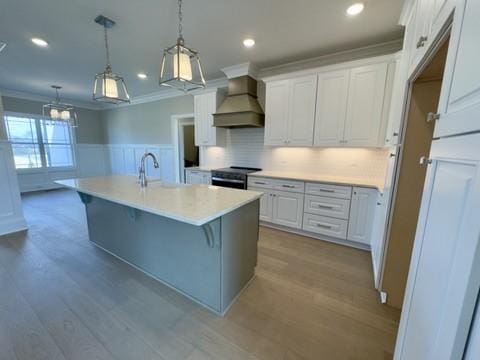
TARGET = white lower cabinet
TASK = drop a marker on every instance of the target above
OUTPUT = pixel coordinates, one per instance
(336, 228)
(334, 211)
(362, 213)
(287, 209)
(198, 177)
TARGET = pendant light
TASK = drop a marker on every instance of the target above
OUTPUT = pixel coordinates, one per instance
(109, 87)
(58, 111)
(181, 67)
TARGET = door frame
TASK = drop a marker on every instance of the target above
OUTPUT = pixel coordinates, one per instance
(175, 121)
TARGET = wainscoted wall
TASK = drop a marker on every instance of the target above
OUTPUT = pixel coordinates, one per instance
(245, 148)
(99, 160)
(11, 213)
(125, 159)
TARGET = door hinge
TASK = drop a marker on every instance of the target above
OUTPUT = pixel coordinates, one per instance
(383, 297)
(425, 161)
(432, 117)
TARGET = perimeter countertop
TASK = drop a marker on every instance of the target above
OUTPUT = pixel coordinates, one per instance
(331, 179)
(192, 204)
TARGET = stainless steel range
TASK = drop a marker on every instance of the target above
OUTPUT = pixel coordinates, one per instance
(232, 177)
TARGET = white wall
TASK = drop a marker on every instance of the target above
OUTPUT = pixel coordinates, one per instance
(245, 148)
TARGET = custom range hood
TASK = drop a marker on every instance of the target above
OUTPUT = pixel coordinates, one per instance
(240, 108)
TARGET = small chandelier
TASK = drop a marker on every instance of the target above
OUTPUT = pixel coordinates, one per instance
(181, 67)
(109, 87)
(58, 111)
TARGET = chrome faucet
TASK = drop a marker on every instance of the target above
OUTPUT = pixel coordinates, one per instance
(141, 176)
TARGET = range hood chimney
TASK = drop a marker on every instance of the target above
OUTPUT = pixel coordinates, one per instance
(240, 108)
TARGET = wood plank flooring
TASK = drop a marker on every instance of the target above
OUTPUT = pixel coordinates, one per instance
(63, 298)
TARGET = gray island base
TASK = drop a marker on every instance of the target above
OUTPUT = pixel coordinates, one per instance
(210, 264)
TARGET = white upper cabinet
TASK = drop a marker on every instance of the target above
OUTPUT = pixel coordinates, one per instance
(302, 111)
(332, 94)
(459, 105)
(342, 105)
(365, 104)
(276, 115)
(205, 105)
(290, 111)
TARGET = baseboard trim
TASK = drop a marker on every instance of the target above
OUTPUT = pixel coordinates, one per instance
(12, 225)
(316, 236)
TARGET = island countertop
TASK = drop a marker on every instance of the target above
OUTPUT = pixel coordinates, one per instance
(192, 204)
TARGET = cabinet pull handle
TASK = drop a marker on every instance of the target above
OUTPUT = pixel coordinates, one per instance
(325, 207)
(327, 190)
(392, 155)
(288, 186)
(259, 183)
(395, 133)
(421, 41)
(432, 117)
(323, 226)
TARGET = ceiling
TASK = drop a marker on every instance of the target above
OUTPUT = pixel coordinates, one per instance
(284, 31)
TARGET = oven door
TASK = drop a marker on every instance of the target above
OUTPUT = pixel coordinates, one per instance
(230, 183)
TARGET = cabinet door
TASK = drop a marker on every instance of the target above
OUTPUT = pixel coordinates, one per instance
(200, 108)
(206, 178)
(194, 177)
(331, 108)
(365, 103)
(276, 112)
(301, 111)
(444, 275)
(287, 209)
(266, 202)
(421, 38)
(362, 212)
(460, 96)
(206, 134)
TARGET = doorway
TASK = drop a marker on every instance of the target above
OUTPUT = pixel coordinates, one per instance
(417, 136)
(188, 152)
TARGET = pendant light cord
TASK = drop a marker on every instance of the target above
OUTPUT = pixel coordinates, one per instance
(107, 51)
(180, 18)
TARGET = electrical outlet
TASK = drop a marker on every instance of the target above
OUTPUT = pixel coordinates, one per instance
(2, 46)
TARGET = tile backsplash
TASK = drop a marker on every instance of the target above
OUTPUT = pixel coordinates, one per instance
(245, 148)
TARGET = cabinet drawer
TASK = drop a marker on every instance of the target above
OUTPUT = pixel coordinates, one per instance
(321, 205)
(334, 191)
(324, 225)
(289, 185)
(257, 182)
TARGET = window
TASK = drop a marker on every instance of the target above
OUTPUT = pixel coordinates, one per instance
(39, 143)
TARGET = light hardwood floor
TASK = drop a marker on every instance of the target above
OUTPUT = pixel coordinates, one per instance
(63, 298)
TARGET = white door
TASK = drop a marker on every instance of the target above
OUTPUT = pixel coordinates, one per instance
(266, 202)
(444, 275)
(287, 209)
(331, 108)
(460, 100)
(301, 117)
(473, 348)
(276, 112)
(362, 212)
(365, 104)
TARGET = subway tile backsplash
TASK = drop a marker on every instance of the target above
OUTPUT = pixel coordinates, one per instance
(245, 148)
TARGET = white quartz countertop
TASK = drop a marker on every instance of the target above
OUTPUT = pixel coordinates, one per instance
(192, 204)
(331, 179)
(201, 168)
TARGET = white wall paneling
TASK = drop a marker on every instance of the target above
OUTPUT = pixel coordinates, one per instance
(125, 159)
(11, 214)
(92, 160)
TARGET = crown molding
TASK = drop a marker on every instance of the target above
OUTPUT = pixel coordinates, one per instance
(42, 98)
(169, 93)
(334, 58)
(241, 70)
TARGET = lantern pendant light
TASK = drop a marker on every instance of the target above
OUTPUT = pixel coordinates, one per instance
(58, 111)
(109, 87)
(181, 67)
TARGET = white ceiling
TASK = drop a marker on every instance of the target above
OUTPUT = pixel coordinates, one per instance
(284, 31)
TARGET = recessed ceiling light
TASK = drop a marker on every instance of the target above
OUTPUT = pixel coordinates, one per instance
(355, 9)
(39, 42)
(142, 76)
(248, 43)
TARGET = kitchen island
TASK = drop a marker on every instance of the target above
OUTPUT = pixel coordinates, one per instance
(200, 240)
